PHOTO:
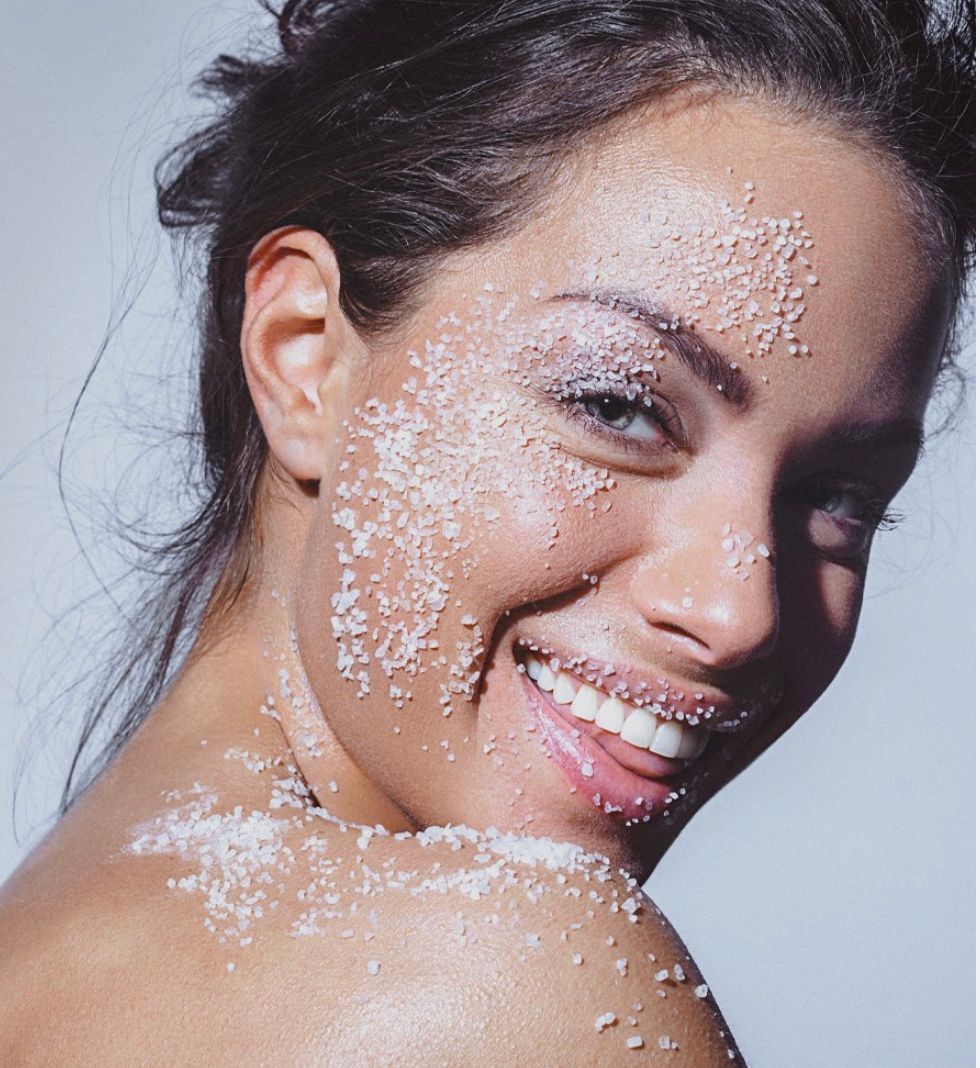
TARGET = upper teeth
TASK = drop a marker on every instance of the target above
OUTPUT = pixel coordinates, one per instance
(638, 726)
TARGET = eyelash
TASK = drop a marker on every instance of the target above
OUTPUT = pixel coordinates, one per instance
(890, 519)
(875, 515)
(643, 404)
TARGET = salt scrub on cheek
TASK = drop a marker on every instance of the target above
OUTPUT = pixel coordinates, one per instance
(418, 506)
(446, 487)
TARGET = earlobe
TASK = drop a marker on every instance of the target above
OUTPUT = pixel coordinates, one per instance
(292, 341)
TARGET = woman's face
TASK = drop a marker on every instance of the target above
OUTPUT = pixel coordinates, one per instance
(615, 485)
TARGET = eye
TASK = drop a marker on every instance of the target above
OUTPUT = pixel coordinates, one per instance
(635, 418)
(841, 519)
(843, 504)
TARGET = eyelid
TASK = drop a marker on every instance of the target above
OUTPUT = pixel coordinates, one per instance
(875, 514)
(617, 438)
(659, 410)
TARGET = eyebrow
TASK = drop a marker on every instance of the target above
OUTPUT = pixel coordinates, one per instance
(713, 368)
(706, 363)
(895, 434)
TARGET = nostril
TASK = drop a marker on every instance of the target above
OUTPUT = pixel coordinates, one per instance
(673, 630)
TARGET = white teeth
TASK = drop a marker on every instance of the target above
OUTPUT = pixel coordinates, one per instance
(611, 715)
(668, 739)
(565, 689)
(639, 728)
(586, 703)
(692, 743)
(546, 680)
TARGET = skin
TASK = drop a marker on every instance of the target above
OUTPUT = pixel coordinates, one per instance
(630, 569)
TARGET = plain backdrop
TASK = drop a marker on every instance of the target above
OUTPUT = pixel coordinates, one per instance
(828, 895)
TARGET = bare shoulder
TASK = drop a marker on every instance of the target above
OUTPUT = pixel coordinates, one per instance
(275, 934)
(513, 950)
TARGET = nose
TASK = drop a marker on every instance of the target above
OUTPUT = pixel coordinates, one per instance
(715, 601)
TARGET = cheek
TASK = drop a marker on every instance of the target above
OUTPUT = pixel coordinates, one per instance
(394, 539)
(431, 531)
(820, 610)
(450, 505)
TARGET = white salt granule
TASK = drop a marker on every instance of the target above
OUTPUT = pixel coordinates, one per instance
(634, 1042)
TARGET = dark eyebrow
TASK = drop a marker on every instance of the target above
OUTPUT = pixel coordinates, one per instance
(704, 362)
(895, 434)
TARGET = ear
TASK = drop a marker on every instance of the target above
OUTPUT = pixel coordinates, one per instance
(294, 339)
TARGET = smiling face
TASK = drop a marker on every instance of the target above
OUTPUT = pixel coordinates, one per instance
(595, 527)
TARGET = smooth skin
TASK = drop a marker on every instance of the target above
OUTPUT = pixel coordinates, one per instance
(103, 964)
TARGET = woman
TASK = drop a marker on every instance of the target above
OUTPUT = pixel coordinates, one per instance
(547, 423)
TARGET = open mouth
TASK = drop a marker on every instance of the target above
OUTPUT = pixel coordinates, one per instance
(622, 756)
(641, 727)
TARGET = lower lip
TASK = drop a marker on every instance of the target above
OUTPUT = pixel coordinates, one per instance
(612, 788)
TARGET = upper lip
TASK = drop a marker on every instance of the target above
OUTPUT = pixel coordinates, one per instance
(693, 703)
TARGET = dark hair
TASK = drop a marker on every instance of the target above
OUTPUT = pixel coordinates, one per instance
(405, 129)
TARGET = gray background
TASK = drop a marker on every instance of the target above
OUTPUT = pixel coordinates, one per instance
(828, 895)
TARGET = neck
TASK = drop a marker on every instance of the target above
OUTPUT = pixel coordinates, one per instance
(250, 680)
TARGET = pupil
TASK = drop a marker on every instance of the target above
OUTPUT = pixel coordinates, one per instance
(613, 410)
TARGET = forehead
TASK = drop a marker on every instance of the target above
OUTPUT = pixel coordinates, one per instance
(649, 207)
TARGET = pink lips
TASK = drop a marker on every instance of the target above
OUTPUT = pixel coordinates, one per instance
(608, 773)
